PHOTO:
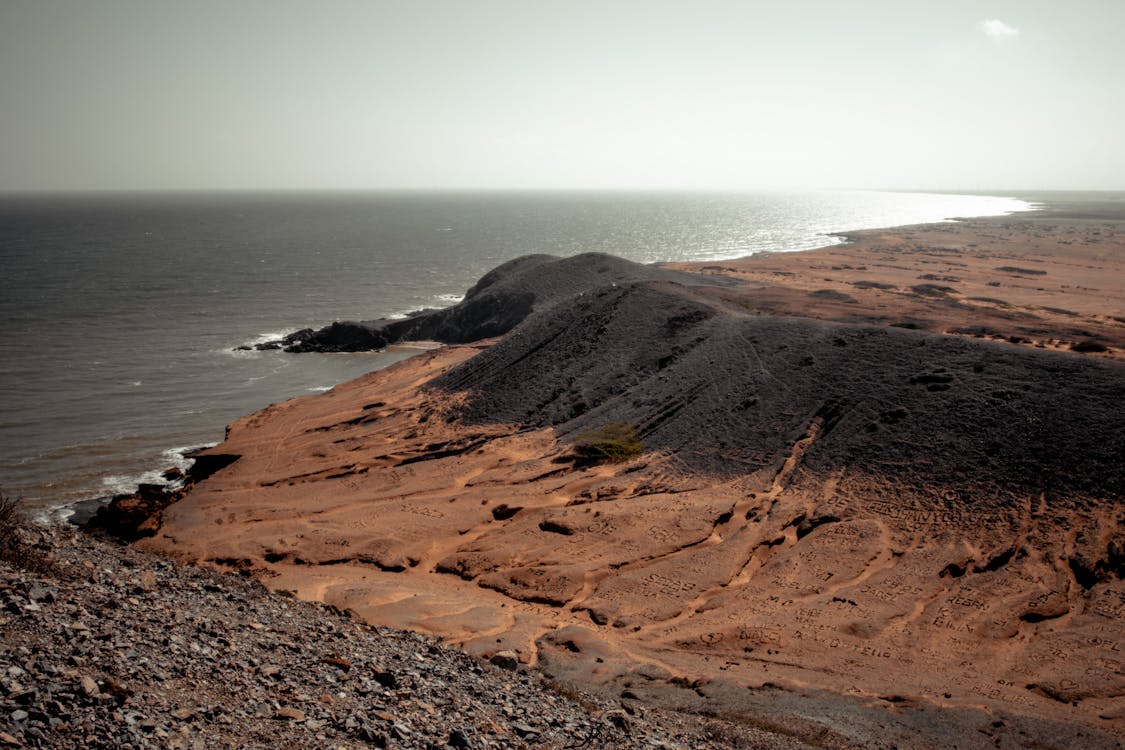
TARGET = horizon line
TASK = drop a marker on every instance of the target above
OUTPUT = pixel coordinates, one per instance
(994, 192)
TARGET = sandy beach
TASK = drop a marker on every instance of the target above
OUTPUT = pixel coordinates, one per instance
(881, 498)
(1038, 279)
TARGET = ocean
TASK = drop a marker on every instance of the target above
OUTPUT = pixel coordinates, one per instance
(121, 313)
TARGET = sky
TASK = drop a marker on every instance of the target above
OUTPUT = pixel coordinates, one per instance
(614, 94)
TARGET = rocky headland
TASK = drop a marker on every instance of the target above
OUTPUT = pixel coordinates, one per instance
(871, 495)
(496, 304)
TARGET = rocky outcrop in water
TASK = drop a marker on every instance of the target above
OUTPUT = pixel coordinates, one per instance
(134, 515)
(497, 303)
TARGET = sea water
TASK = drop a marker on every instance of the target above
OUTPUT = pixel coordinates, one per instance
(121, 313)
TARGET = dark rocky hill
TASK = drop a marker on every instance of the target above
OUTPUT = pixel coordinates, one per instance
(956, 425)
(494, 305)
(725, 390)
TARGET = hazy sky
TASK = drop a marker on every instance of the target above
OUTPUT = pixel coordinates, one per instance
(970, 94)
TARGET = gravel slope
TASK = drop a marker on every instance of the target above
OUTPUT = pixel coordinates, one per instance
(120, 649)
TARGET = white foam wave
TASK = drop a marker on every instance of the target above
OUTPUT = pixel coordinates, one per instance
(262, 338)
(55, 515)
(121, 484)
(448, 300)
(177, 457)
(438, 301)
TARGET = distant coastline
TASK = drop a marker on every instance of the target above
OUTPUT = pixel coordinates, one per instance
(856, 465)
(124, 308)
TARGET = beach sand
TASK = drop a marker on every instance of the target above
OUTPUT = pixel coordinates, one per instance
(1036, 280)
(907, 599)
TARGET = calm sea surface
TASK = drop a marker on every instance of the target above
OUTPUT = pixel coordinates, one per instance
(120, 312)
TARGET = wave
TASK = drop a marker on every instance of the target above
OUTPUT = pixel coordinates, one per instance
(437, 301)
(241, 350)
(448, 300)
(123, 484)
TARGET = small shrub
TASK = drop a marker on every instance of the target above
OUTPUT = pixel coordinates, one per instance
(14, 547)
(11, 519)
(832, 294)
(613, 443)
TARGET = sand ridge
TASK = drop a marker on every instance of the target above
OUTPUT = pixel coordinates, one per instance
(856, 571)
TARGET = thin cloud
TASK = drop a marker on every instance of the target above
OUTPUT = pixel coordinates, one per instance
(997, 29)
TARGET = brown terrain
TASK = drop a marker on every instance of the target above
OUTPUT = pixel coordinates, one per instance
(880, 504)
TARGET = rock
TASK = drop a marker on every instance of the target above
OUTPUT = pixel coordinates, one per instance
(345, 336)
(386, 679)
(371, 736)
(23, 696)
(117, 690)
(173, 474)
(131, 517)
(292, 714)
(459, 739)
(151, 492)
(343, 664)
(44, 594)
(183, 714)
(525, 731)
(147, 581)
(619, 720)
(505, 660)
(89, 687)
(9, 740)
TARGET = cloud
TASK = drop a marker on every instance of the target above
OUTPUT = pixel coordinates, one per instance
(997, 29)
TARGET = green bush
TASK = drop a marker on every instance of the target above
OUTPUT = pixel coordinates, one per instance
(613, 443)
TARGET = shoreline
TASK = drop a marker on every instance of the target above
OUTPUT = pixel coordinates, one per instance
(35, 482)
(849, 237)
(1032, 206)
(979, 294)
(496, 574)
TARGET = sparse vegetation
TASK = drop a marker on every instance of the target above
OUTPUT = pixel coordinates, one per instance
(932, 290)
(10, 520)
(614, 443)
(1089, 346)
(1024, 271)
(832, 294)
(14, 546)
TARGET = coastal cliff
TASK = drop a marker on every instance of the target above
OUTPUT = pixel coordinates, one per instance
(864, 511)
